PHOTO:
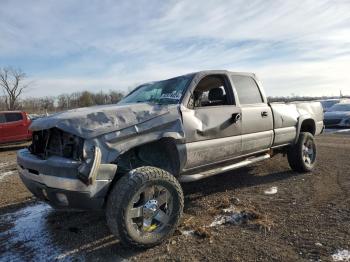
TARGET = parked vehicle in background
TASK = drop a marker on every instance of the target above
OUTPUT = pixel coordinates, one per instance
(14, 127)
(327, 104)
(338, 115)
(129, 158)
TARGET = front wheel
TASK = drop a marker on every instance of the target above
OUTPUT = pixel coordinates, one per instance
(145, 206)
(302, 156)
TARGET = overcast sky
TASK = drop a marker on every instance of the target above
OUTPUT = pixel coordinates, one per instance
(295, 47)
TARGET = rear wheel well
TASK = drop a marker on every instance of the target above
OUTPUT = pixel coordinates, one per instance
(308, 125)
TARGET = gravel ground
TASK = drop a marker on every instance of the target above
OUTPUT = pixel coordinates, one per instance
(12, 191)
(264, 212)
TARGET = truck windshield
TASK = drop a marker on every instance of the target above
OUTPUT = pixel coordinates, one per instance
(162, 92)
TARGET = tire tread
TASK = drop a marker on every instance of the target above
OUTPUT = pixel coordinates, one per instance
(294, 154)
(120, 192)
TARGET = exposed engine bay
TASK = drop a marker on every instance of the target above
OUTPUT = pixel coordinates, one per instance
(55, 142)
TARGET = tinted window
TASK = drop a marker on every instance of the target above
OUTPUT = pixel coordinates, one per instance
(13, 117)
(247, 90)
(2, 118)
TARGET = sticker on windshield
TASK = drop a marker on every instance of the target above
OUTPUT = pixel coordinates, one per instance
(175, 96)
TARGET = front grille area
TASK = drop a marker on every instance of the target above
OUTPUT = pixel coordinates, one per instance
(331, 122)
(55, 142)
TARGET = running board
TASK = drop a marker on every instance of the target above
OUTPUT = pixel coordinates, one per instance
(216, 171)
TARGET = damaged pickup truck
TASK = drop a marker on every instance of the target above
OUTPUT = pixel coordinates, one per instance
(129, 159)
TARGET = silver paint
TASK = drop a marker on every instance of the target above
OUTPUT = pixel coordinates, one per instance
(203, 136)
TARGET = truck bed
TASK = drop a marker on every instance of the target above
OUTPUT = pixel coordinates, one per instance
(286, 116)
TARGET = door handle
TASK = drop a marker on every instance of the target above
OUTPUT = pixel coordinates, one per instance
(264, 114)
(236, 117)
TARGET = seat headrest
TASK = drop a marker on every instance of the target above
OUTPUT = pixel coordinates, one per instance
(216, 94)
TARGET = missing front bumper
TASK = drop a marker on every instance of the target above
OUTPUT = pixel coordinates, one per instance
(38, 174)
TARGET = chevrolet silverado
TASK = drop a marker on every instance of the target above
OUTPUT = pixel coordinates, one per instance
(128, 159)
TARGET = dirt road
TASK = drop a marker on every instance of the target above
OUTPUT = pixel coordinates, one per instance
(272, 214)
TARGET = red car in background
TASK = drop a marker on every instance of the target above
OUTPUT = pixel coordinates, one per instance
(14, 127)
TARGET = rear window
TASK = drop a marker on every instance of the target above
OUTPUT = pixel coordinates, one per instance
(13, 117)
(247, 89)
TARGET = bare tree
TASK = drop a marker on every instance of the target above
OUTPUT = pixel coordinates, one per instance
(86, 99)
(2, 103)
(115, 96)
(12, 83)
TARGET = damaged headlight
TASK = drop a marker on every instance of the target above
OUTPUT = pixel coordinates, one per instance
(88, 150)
(92, 160)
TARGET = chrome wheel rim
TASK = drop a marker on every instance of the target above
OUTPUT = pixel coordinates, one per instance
(150, 210)
(308, 152)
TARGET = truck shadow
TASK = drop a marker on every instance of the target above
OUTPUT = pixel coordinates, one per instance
(86, 235)
(240, 178)
(36, 230)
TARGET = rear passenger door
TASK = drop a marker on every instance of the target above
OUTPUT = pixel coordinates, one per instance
(257, 119)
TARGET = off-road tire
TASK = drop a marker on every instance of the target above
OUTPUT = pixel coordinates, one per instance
(295, 154)
(126, 188)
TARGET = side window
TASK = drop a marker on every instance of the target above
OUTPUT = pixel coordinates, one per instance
(211, 91)
(13, 117)
(247, 90)
(2, 118)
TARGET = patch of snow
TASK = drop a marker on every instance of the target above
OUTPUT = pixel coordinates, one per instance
(229, 209)
(28, 235)
(230, 216)
(8, 173)
(341, 255)
(187, 232)
(6, 164)
(271, 191)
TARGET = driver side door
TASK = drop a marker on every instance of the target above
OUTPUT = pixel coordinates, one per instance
(212, 125)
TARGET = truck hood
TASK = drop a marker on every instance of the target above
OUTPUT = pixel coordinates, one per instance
(89, 122)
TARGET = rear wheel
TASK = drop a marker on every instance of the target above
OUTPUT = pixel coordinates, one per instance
(145, 206)
(302, 156)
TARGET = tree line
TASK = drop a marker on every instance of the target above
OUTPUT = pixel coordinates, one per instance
(13, 82)
(51, 104)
